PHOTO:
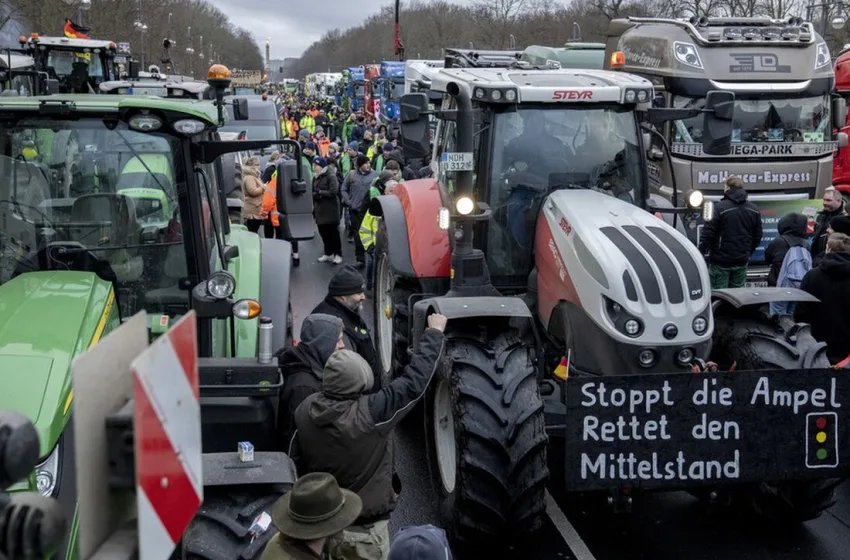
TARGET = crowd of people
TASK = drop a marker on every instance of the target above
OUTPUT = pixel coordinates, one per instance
(348, 160)
(821, 268)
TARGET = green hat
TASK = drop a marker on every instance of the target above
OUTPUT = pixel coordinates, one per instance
(315, 508)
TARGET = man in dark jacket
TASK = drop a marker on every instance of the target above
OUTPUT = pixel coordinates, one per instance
(406, 172)
(326, 210)
(830, 283)
(346, 293)
(731, 236)
(833, 206)
(349, 434)
(302, 366)
(792, 233)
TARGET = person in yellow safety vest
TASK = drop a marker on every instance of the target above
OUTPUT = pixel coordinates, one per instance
(381, 158)
(384, 184)
(308, 123)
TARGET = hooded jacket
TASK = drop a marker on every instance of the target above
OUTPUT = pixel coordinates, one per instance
(347, 433)
(356, 333)
(396, 155)
(355, 189)
(792, 233)
(830, 319)
(252, 190)
(302, 366)
(734, 233)
(326, 197)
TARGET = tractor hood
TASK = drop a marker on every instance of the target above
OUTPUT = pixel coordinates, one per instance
(613, 249)
(47, 319)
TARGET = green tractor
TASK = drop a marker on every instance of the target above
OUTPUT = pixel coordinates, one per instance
(111, 205)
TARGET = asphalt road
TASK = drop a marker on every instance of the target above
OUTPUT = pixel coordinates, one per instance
(671, 526)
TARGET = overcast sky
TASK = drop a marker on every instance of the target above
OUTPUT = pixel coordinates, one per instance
(296, 25)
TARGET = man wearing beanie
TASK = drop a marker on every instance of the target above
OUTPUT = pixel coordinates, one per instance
(355, 194)
(346, 293)
(423, 542)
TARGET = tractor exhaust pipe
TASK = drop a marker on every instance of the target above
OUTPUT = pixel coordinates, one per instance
(465, 128)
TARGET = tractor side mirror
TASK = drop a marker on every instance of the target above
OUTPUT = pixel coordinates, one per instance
(294, 202)
(717, 124)
(415, 127)
(839, 112)
(240, 109)
(133, 70)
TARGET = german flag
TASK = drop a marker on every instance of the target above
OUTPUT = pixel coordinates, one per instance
(74, 31)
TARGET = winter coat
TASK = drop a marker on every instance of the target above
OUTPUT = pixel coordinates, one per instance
(302, 367)
(792, 233)
(730, 238)
(830, 319)
(355, 189)
(252, 190)
(821, 225)
(326, 197)
(356, 331)
(406, 173)
(282, 548)
(349, 434)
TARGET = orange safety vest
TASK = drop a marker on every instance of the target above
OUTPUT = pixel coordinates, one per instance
(293, 129)
(324, 145)
(269, 208)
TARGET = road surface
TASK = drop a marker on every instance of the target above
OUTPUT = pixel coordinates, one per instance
(661, 527)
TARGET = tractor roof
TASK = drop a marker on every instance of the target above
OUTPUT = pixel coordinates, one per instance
(70, 43)
(203, 110)
(544, 86)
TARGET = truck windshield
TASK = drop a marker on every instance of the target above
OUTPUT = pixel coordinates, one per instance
(539, 149)
(397, 90)
(78, 195)
(800, 119)
(358, 90)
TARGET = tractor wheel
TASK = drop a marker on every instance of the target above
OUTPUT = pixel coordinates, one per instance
(219, 530)
(392, 312)
(488, 441)
(754, 344)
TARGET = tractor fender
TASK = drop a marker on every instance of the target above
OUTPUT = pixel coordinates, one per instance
(268, 467)
(276, 260)
(418, 248)
(743, 297)
(466, 308)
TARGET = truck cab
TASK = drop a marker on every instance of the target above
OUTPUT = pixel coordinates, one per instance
(392, 88)
(783, 134)
(372, 96)
(356, 89)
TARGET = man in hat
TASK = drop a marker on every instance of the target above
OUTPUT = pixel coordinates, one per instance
(308, 515)
(355, 194)
(347, 430)
(346, 293)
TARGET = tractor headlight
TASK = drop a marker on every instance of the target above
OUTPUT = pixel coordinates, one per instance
(695, 199)
(443, 218)
(708, 211)
(623, 321)
(221, 284)
(247, 309)
(47, 474)
(700, 324)
(145, 123)
(464, 205)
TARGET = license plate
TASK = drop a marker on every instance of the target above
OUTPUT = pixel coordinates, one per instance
(757, 284)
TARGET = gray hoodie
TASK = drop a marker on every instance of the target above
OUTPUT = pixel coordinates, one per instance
(319, 337)
(355, 189)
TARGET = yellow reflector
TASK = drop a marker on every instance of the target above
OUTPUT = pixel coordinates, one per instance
(247, 309)
(618, 59)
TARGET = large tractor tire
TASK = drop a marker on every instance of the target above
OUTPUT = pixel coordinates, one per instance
(391, 311)
(487, 440)
(219, 530)
(753, 343)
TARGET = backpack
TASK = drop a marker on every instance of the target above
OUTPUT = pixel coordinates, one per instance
(795, 265)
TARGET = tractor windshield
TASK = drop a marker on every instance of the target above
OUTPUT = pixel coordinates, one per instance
(78, 195)
(541, 148)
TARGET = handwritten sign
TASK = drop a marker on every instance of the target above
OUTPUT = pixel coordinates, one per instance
(685, 430)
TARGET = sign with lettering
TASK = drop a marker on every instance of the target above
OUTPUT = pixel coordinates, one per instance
(756, 176)
(757, 63)
(683, 430)
(754, 149)
(457, 161)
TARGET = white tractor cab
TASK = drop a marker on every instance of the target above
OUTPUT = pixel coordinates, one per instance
(66, 65)
(16, 73)
(560, 282)
(417, 78)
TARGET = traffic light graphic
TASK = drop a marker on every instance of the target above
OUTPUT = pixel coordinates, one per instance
(821, 440)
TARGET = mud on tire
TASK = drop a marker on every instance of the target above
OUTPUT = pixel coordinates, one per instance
(753, 344)
(500, 440)
(219, 530)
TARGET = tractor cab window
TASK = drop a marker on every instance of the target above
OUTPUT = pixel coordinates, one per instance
(540, 149)
(74, 70)
(81, 196)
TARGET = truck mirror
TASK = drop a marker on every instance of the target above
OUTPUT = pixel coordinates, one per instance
(240, 109)
(294, 202)
(415, 126)
(717, 124)
(133, 70)
(839, 112)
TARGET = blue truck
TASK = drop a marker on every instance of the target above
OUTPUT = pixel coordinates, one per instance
(355, 89)
(391, 89)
